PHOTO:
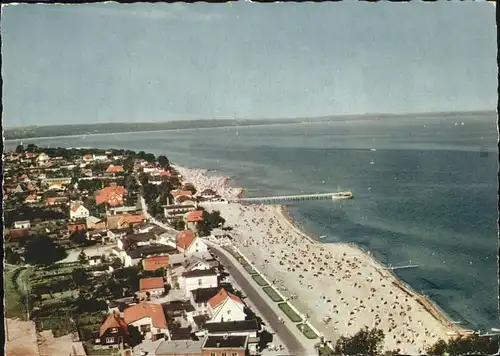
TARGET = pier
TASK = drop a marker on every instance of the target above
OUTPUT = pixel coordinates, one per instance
(401, 267)
(294, 198)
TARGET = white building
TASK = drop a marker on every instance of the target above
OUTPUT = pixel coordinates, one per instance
(149, 319)
(225, 307)
(24, 224)
(78, 211)
(197, 278)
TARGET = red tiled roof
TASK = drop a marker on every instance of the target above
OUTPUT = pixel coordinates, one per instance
(185, 239)
(112, 321)
(220, 297)
(195, 216)
(75, 207)
(146, 284)
(165, 173)
(113, 195)
(156, 262)
(31, 197)
(130, 219)
(114, 169)
(17, 233)
(178, 193)
(144, 310)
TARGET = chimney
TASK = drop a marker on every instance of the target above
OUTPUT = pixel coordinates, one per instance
(218, 344)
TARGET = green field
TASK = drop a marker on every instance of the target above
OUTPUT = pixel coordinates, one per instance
(289, 312)
(307, 331)
(14, 281)
(272, 294)
(260, 281)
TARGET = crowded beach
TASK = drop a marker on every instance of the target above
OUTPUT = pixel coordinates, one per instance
(338, 287)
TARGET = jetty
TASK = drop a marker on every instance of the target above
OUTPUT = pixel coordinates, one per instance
(294, 198)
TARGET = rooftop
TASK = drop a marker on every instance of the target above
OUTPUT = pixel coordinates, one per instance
(225, 342)
(203, 295)
(179, 347)
(241, 325)
(151, 283)
(199, 273)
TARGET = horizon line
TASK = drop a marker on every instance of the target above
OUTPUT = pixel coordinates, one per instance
(426, 113)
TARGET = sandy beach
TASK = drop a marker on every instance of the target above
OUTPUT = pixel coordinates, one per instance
(327, 281)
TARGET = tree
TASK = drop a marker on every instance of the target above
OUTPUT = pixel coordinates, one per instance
(51, 252)
(364, 342)
(79, 276)
(78, 238)
(149, 157)
(178, 224)
(190, 187)
(11, 256)
(468, 345)
(19, 149)
(163, 162)
(82, 257)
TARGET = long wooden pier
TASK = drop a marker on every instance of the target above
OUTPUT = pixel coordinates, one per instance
(294, 198)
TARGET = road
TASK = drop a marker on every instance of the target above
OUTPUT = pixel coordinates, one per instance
(291, 342)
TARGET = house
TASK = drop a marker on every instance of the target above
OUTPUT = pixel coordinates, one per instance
(179, 348)
(225, 306)
(24, 224)
(101, 157)
(78, 211)
(55, 201)
(207, 194)
(155, 262)
(94, 223)
(120, 304)
(155, 286)
(114, 169)
(43, 157)
(94, 260)
(248, 328)
(149, 319)
(199, 299)
(59, 181)
(32, 198)
(189, 244)
(88, 157)
(165, 174)
(127, 220)
(112, 195)
(225, 346)
(133, 255)
(131, 240)
(112, 332)
(75, 227)
(178, 210)
(176, 194)
(16, 237)
(18, 189)
(192, 218)
(123, 210)
(197, 278)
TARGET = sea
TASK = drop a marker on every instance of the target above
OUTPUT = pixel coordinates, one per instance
(425, 191)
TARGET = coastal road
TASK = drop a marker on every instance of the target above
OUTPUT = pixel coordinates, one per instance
(292, 343)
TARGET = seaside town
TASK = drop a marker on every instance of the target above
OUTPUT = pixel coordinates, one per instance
(116, 252)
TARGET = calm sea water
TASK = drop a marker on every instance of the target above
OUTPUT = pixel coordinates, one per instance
(425, 195)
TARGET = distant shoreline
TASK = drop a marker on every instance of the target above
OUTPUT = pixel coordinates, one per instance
(43, 132)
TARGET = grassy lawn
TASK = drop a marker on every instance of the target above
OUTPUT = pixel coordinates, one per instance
(272, 294)
(250, 269)
(307, 331)
(289, 312)
(14, 280)
(260, 281)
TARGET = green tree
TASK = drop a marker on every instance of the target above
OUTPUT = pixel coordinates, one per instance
(149, 157)
(11, 256)
(190, 187)
(178, 224)
(364, 342)
(78, 238)
(438, 349)
(163, 162)
(52, 252)
(19, 149)
(80, 276)
(82, 257)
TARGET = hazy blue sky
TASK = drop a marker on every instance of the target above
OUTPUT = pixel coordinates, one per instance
(111, 62)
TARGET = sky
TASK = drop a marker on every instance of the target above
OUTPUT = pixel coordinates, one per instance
(89, 63)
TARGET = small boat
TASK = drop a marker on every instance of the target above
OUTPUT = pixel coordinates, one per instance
(373, 149)
(237, 133)
(323, 182)
(371, 162)
(322, 236)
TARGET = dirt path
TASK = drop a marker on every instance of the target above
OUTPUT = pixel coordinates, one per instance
(21, 338)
